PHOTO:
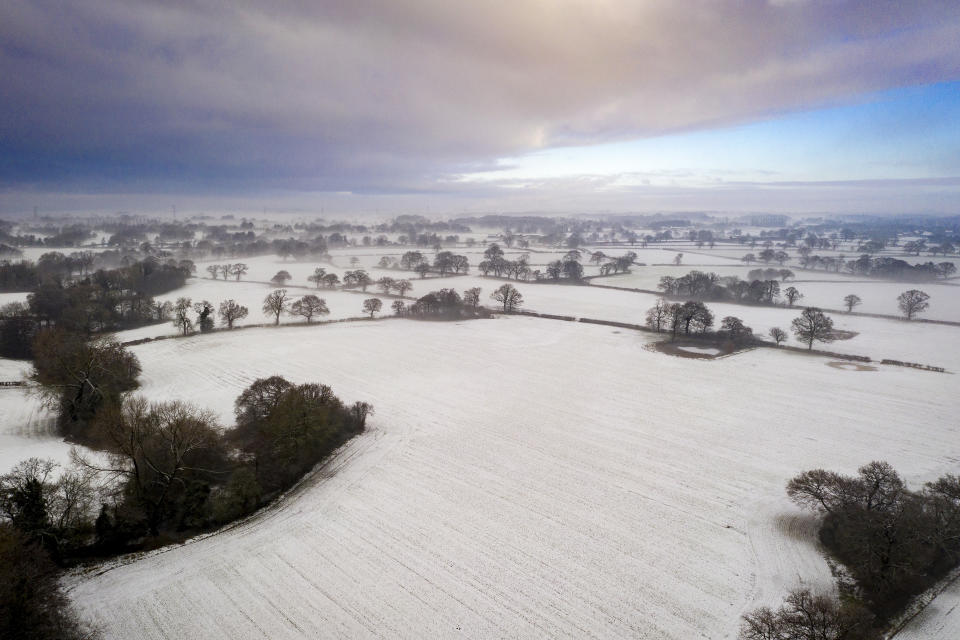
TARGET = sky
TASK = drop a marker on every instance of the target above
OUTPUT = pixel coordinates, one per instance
(571, 106)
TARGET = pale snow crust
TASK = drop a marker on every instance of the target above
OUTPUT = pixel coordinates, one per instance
(940, 620)
(522, 478)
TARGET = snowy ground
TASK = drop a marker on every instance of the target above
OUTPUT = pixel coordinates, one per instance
(26, 427)
(940, 620)
(7, 298)
(522, 477)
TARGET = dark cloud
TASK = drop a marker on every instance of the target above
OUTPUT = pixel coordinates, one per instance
(388, 95)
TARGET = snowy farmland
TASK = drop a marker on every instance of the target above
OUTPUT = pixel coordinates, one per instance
(647, 502)
(26, 427)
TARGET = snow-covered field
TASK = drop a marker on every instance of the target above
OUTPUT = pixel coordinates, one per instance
(522, 478)
(940, 620)
(7, 298)
(26, 427)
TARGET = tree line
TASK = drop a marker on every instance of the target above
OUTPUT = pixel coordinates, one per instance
(105, 300)
(694, 318)
(168, 470)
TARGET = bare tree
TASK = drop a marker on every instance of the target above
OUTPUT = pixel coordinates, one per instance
(281, 278)
(471, 297)
(309, 306)
(657, 315)
(792, 294)
(851, 301)
(162, 309)
(778, 335)
(508, 296)
(238, 269)
(402, 286)
(372, 305)
(230, 312)
(358, 278)
(181, 315)
(276, 303)
(805, 615)
(360, 411)
(155, 447)
(204, 311)
(317, 276)
(913, 302)
(398, 307)
(733, 328)
(213, 270)
(386, 284)
(813, 325)
(331, 281)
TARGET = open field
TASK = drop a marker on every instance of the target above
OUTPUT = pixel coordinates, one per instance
(26, 427)
(940, 620)
(647, 502)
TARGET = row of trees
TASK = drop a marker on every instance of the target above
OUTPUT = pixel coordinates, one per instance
(169, 467)
(693, 317)
(710, 286)
(236, 270)
(881, 267)
(444, 263)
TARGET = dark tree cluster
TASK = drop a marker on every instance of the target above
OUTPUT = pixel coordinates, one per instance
(894, 541)
(443, 304)
(33, 605)
(79, 378)
(106, 300)
(807, 616)
(284, 430)
(701, 285)
(882, 267)
(170, 470)
(691, 317)
(616, 264)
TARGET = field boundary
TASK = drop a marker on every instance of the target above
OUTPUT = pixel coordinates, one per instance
(756, 342)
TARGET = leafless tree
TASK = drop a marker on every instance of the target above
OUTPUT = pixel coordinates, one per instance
(281, 278)
(913, 302)
(372, 305)
(230, 312)
(238, 270)
(851, 301)
(402, 286)
(792, 294)
(813, 325)
(806, 615)
(181, 315)
(317, 276)
(471, 297)
(309, 306)
(657, 315)
(508, 296)
(276, 303)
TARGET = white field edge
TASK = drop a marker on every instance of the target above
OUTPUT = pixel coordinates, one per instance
(522, 478)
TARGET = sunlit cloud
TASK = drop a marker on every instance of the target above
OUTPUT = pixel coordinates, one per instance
(409, 97)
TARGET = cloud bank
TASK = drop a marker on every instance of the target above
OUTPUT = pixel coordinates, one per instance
(392, 96)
